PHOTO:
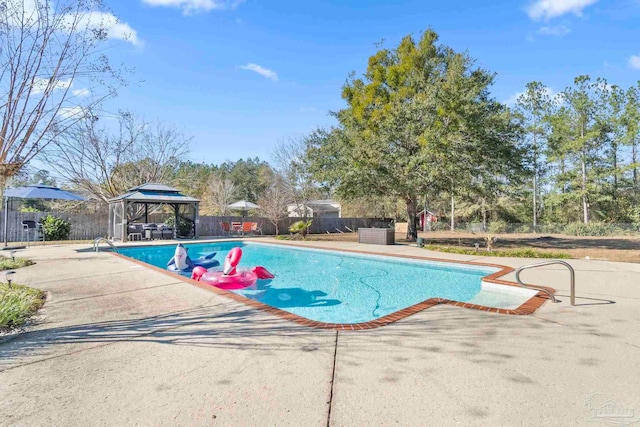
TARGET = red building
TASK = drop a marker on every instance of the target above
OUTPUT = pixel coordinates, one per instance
(427, 216)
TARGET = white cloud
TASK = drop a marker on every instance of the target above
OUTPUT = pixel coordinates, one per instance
(547, 9)
(557, 31)
(264, 72)
(513, 99)
(71, 112)
(114, 28)
(80, 92)
(40, 85)
(19, 11)
(27, 12)
(194, 6)
(634, 62)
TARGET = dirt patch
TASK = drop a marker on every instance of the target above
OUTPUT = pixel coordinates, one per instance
(623, 249)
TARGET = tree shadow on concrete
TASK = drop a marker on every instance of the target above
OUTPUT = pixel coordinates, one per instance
(479, 337)
(420, 351)
(476, 336)
(211, 326)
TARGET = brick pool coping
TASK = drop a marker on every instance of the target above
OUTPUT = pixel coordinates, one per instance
(528, 307)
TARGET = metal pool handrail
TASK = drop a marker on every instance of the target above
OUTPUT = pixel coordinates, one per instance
(553, 298)
(103, 239)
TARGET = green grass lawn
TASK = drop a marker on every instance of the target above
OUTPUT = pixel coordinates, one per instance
(17, 304)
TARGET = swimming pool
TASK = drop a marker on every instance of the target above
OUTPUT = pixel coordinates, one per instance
(345, 288)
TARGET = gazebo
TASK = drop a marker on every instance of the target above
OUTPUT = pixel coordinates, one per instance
(138, 203)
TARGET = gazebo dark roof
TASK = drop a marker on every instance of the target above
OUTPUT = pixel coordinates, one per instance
(154, 193)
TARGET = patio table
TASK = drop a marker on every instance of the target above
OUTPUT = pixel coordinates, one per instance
(236, 227)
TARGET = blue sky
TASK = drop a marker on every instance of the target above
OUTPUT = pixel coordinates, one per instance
(243, 76)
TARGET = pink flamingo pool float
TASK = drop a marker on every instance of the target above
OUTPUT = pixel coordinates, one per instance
(231, 277)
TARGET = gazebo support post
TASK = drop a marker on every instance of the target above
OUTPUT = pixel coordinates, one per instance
(146, 213)
(110, 226)
(196, 221)
(125, 221)
(175, 224)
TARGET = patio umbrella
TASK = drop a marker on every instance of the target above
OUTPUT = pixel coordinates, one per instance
(41, 192)
(34, 192)
(243, 205)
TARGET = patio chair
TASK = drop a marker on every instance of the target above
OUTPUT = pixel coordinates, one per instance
(134, 231)
(225, 228)
(163, 231)
(247, 228)
(32, 230)
(256, 228)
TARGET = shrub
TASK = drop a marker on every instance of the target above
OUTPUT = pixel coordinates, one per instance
(17, 304)
(498, 227)
(635, 217)
(10, 264)
(551, 228)
(287, 237)
(439, 226)
(185, 226)
(575, 229)
(55, 228)
(524, 229)
(591, 229)
(300, 227)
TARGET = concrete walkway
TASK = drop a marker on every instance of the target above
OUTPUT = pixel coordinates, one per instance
(119, 344)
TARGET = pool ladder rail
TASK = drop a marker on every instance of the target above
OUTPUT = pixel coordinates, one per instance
(541, 264)
(97, 241)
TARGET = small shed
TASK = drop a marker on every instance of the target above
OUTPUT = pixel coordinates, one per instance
(316, 208)
(426, 219)
(135, 206)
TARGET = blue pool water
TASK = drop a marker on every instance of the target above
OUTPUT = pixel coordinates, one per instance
(336, 287)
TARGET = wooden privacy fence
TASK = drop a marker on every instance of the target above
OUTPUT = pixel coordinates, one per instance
(210, 225)
(83, 226)
(90, 226)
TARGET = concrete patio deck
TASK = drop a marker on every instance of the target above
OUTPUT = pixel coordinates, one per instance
(120, 344)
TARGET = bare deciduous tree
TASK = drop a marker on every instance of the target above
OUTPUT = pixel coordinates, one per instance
(291, 162)
(45, 49)
(106, 165)
(222, 191)
(273, 203)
